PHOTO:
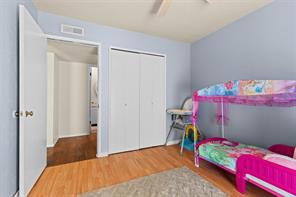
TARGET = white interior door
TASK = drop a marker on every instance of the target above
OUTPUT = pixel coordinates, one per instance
(124, 101)
(33, 90)
(152, 101)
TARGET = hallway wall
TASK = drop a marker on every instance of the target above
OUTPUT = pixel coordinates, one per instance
(73, 90)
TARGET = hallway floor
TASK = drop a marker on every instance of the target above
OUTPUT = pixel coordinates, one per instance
(72, 149)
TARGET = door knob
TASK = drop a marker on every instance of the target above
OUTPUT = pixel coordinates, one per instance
(29, 113)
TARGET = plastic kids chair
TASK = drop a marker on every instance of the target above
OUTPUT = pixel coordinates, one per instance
(192, 135)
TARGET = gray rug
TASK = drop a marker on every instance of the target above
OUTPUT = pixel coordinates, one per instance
(179, 182)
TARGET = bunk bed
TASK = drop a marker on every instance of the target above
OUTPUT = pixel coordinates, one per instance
(273, 169)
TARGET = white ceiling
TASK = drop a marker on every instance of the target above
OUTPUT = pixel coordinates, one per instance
(185, 20)
(73, 52)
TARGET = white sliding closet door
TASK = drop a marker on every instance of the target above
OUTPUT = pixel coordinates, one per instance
(152, 101)
(124, 101)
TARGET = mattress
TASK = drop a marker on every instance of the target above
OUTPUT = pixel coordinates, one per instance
(226, 155)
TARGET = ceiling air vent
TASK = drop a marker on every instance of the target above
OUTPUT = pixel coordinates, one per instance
(69, 29)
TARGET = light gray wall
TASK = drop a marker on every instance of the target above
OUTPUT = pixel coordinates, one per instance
(178, 59)
(9, 93)
(261, 45)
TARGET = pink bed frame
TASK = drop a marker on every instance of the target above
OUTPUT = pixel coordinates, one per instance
(272, 173)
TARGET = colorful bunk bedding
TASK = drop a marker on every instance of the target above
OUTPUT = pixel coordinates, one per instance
(272, 169)
(226, 155)
(249, 163)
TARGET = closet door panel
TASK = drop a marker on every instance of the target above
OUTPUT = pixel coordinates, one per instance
(116, 109)
(152, 101)
(132, 102)
(159, 100)
(147, 134)
(124, 102)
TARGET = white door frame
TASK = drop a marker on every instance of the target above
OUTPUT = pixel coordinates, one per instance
(109, 79)
(99, 66)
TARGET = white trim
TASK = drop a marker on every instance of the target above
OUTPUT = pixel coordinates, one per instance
(99, 65)
(16, 194)
(109, 94)
(269, 186)
(50, 145)
(54, 37)
(74, 135)
(165, 98)
(173, 142)
(102, 155)
(136, 51)
(99, 121)
(53, 144)
(109, 80)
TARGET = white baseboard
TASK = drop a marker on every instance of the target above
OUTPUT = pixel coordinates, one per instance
(102, 155)
(173, 142)
(65, 136)
(74, 135)
(52, 145)
(16, 194)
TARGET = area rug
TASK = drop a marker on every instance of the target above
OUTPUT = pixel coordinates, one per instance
(179, 182)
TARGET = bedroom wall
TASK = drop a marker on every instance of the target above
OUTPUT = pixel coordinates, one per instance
(9, 93)
(178, 60)
(261, 45)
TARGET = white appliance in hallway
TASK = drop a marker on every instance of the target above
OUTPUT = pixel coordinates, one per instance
(94, 96)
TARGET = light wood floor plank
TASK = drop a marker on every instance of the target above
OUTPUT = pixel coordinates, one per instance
(78, 177)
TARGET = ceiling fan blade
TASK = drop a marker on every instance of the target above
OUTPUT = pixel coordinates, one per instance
(163, 8)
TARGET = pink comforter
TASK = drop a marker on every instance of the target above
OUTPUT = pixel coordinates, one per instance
(282, 160)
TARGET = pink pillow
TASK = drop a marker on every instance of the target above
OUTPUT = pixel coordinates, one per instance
(229, 143)
(281, 160)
